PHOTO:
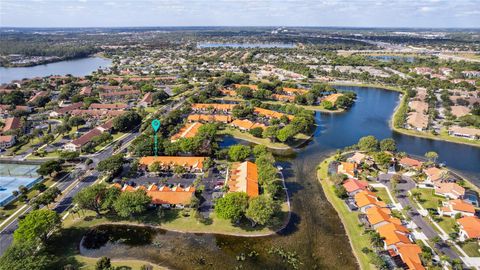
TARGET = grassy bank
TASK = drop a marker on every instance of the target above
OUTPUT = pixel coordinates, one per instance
(358, 240)
(363, 84)
(89, 263)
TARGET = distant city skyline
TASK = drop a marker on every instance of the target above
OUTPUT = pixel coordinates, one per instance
(137, 13)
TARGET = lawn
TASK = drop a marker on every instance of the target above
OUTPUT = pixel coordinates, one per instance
(383, 195)
(427, 198)
(89, 263)
(471, 248)
(298, 139)
(350, 221)
(447, 224)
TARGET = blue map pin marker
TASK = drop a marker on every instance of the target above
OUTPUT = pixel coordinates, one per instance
(155, 125)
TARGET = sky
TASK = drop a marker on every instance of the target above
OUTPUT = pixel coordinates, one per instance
(347, 13)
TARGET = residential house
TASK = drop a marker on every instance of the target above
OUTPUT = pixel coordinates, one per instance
(378, 216)
(76, 145)
(120, 95)
(394, 235)
(469, 228)
(471, 197)
(251, 86)
(85, 91)
(353, 186)
(37, 95)
(188, 131)
(176, 197)
(458, 206)
(348, 168)
(271, 114)
(246, 125)
(209, 118)
(465, 132)
(410, 255)
(66, 110)
(146, 100)
(115, 106)
(410, 163)
(213, 107)
(434, 174)
(332, 98)
(459, 111)
(366, 199)
(284, 98)
(167, 163)
(449, 190)
(12, 124)
(417, 121)
(357, 158)
(243, 177)
(7, 141)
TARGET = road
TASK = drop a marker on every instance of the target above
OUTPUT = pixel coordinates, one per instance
(402, 197)
(6, 235)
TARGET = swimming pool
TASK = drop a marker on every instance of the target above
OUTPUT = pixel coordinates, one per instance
(14, 175)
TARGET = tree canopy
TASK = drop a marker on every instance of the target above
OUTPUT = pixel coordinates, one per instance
(232, 206)
(132, 203)
(36, 225)
(239, 152)
(261, 209)
(368, 143)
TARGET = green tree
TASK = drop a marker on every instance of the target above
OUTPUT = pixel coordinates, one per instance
(36, 226)
(127, 121)
(432, 156)
(50, 167)
(239, 152)
(256, 132)
(232, 206)
(368, 143)
(270, 133)
(103, 264)
(91, 198)
(47, 197)
(388, 145)
(132, 203)
(76, 121)
(25, 255)
(112, 164)
(259, 150)
(261, 209)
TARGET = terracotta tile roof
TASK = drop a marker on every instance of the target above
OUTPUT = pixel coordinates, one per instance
(147, 98)
(228, 92)
(465, 131)
(6, 138)
(188, 131)
(85, 138)
(12, 123)
(333, 97)
(294, 90)
(244, 177)
(69, 108)
(460, 205)
(365, 198)
(376, 215)
(37, 96)
(101, 106)
(193, 162)
(251, 86)
(410, 254)
(434, 173)
(417, 120)
(452, 188)
(471, 225)
(5, 107)
(394, 234)
(177, 195)
(347, 167)
(86, 90)
(120, 93)
(460, 111)
(271, 114)
(283, 97)
(246, 124)
(215, 106)
(209, 118)
(352, 185)
(410, 162)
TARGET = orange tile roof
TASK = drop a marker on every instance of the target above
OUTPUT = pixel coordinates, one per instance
(406, 161)
(283, 97)
(365, 198)
(177, 195)
(228, 92)
(453, 188)
(348, 168)
(410, 254)
(216, 106)
(394, 234)
(194, 162)
(251, 86)
(460, 205)
(294, 90)
(471, 225)
(434, 173)
(271, 114)
(376, 215)
(188, 131)
(12, 123)
(244, 177)
(352, 185)
(246, 124)
(333, 97)
(209, 118)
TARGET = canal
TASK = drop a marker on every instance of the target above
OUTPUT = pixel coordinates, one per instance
(315, 233)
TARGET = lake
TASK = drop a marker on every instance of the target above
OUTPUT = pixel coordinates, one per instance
(204, 45)
(76, 67)
(315, 232)
(391, 58)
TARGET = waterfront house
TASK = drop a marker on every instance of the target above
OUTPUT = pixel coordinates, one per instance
(332, 98)
(417, 121)
(410, 255)
(176, 197)
(357, 158)
(246, 125)
(469, 228)
(464, 132)
(434, 174)
(449, 190)
(378, 216)
(366, 199)
(347, 168)
(454, 207)
(410, 163)
(353, 186)
(167, 163)
(394, 234)
(209, 118)
(243, 177)
(459, 111)
(271, 114)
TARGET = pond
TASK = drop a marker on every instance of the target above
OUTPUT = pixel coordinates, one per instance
(315, 232)
(77, 67)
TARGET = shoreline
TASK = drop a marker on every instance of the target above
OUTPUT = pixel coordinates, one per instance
(407, 132)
